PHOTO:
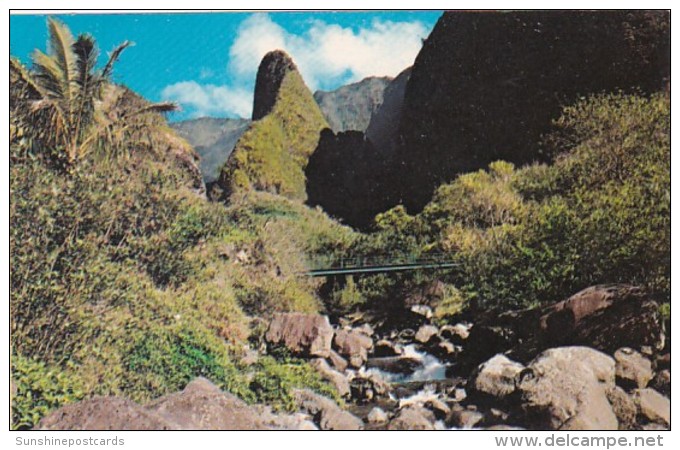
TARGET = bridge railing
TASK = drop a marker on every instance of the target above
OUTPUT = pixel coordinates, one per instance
(360, 261)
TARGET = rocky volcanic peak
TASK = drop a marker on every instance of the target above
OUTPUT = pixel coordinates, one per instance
(273, 69)
(213, 139)
(351, 107)
(486, 86)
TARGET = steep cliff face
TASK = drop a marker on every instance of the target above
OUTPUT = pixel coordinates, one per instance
(344, 177)
(348, 173)
(486, 86)
(382, 129)
(213, 139)
(350, 107)
(272, 154)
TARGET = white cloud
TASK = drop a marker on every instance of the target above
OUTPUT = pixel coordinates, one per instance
(328, 55)
(209, 99)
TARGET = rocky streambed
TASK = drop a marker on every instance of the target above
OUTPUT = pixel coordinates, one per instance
(599, 360)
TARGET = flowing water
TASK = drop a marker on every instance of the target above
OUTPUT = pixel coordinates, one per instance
(430, 368)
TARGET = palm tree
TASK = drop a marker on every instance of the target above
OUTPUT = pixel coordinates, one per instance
(60, 96)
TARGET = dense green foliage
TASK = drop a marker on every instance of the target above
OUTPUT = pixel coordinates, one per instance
(599, 214)
(272, 154)
(143, 285)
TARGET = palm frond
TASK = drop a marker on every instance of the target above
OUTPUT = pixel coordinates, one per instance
(113, 57)
(61, 51)
(161, 108)
(23, 76)
(86, 53)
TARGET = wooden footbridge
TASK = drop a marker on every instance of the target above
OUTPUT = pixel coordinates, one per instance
(355, 265)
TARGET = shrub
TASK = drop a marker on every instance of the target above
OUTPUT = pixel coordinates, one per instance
(274, 380)
(39, 389)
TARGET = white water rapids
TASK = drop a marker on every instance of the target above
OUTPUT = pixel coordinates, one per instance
(431, 368)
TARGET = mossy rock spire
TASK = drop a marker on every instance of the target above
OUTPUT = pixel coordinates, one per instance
(273, 153)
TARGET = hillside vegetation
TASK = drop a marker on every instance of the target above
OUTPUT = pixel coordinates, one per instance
(125, 279)
(599, 214)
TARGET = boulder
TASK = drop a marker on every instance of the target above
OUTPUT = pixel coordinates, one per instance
(385, 348)
(412, 418)
(353, 345)
(338, 380)
(366, 386)
(366, 329)
(624, 408)
(445, 349)
(105, 414)
(566, 389)
(604, 317)
(464, 418)
(395, 364)
(440, 409)
(338, 361)
(662, 382)
(295, 421)
(632, 369)
(203, 406)
(303, 334)
(422, 310)
(377, 415)
(326, 412)
(653, 406)
(455, 333)
(496, 378)
(425, 333)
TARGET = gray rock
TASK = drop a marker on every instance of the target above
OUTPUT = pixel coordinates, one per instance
(295, 421)
(203, 406)
(624, 408)
(412, 418)
(459, 394)
(456, 333)
(653, 406)
(422, 310)
(385, 348)
(566, 389)
(377, 415)
(303, 334)
(496, 377)
(338, 361)
(440, 409)
(353, 345)
(632, 369)
(326, 412)
(105, 414)
(464, 418)
(338, 380)
(425, 333)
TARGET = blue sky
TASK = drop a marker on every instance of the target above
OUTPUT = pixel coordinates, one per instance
(207, 61)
